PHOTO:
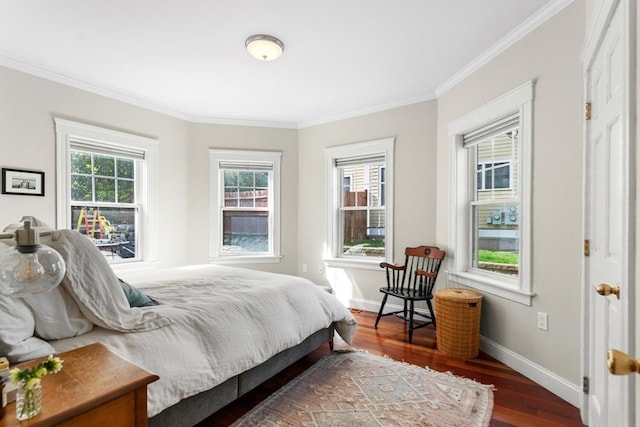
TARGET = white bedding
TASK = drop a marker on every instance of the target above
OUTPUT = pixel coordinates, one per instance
(223, 321)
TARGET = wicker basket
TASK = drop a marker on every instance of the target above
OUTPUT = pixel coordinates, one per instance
(458, 322)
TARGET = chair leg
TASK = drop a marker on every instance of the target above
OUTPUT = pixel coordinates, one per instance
(384, 301)
(433, 316)
(410, 320)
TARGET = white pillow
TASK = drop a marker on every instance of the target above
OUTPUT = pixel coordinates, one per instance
(17, 342)
(96, 289)
(57, 315)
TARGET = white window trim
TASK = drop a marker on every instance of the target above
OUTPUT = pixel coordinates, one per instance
(274, 157)
(518, 100)
(332, 256)
(66, 132)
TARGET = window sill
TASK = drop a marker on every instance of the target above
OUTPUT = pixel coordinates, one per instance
(491, 286)
(245, 259)
(363, 264)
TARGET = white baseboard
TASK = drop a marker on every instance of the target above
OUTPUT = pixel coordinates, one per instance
(547, 379)
(555, 384)
(374, 306)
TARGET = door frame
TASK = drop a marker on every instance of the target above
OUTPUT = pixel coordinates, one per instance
(593, 39)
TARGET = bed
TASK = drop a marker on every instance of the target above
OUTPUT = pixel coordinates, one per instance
(211, 333)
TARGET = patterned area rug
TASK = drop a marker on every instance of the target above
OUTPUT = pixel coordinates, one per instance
(359, 389)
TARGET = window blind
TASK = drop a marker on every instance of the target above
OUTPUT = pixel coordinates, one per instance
(255, 166)
(108, 150)
(494, 128)
(360, 160)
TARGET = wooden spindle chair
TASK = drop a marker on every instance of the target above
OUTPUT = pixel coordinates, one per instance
(411, 282)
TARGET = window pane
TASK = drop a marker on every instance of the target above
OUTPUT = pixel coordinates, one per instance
(125, 168)
(126, 191)
(496, 238)
(80, 162)
(246, 179)
(104, 165)
(112, 230)
(81, 188)
(230, 178)
(231, 197)
(105, 190)
(247, 196)
(363, 233)
(245, 231)
(262, 179)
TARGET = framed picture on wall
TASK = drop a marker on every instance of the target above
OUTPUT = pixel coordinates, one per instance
(23, 182)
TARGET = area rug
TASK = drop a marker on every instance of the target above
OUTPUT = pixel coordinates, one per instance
(359, 389)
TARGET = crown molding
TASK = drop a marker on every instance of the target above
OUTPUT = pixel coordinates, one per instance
(504, 43)
(132, 100)
(401, 103)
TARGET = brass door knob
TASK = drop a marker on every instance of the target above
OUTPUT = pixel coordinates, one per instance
(605, 290)
(622, 364)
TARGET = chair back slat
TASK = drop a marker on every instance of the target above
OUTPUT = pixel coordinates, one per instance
(426, 260)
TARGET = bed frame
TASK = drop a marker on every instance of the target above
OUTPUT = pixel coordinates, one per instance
(194, 409)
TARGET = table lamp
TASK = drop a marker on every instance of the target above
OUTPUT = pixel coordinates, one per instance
(29, 267)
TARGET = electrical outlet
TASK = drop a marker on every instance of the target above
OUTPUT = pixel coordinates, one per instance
(304, 268)
(543, 321)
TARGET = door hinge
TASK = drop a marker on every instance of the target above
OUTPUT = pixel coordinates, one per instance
(587, 111)
(585, 385)
(587, 247)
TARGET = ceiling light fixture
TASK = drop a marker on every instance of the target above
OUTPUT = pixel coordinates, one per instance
(264, 47)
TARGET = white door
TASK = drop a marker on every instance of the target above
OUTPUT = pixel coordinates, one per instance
(607, 219)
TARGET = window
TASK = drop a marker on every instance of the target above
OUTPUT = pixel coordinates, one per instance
(493, 175)
(361, 202)
(490, 155)
(245, 198)
(105, 189)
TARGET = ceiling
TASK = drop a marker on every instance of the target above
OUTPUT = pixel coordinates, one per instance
(186, 58)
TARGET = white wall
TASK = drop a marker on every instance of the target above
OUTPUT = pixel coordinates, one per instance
(415, 182)
(27, 141)
(551, 56)
(205, 136)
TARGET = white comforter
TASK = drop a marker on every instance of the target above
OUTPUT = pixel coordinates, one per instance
(223, 321)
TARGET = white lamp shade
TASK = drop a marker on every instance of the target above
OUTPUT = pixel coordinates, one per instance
(264, 47)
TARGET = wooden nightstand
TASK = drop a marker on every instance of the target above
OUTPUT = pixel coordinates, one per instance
(94, 388)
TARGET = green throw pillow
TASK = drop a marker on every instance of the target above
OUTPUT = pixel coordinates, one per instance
(134, 296)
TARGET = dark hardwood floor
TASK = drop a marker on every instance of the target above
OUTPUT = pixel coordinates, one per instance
(518, 401)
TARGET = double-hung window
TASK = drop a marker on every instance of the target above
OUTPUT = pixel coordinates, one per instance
(105, 188)
(490, 160)
(245, 198)
(360, 202)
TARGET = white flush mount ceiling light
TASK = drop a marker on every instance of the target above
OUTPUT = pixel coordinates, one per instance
(264, 47)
